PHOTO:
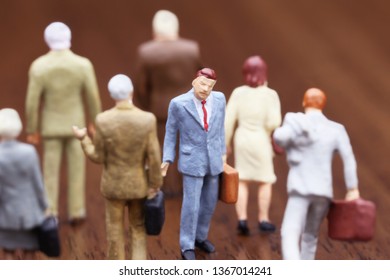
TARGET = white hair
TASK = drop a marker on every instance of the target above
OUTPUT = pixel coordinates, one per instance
(58, 36)
(165, 23)
(120, 87)
(10, 123)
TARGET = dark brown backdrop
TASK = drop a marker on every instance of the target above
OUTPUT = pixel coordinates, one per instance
(340, 46)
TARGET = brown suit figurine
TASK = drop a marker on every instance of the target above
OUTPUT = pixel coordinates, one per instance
(57, 81)
(166, 66)
(126, 144)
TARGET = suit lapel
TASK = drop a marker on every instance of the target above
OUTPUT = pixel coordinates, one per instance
(216, 110)
(189, 106)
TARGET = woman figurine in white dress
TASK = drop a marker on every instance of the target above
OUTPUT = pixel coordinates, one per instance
(254, 110)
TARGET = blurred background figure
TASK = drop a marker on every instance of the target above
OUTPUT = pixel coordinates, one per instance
(166, 66)
(255, 110)
(125, 139)
(59, 79)
(310, 141)
(22, 196)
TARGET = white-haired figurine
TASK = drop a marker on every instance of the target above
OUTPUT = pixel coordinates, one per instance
(60, 78)
(22, 196)
(125, 139)
(167, 64)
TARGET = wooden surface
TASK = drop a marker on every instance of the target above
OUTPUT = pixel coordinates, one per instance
(339, 46)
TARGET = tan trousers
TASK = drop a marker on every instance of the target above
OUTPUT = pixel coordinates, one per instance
(52, 156)
(115, 226)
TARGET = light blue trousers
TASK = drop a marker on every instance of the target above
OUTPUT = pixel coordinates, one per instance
(200, 196)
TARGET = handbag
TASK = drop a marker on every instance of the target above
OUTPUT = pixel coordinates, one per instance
(352, 220)
(228, 185)
(48, 237)
(155, 214)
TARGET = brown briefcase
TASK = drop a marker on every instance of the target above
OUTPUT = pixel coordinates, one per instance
(351, 220)
(228, 185)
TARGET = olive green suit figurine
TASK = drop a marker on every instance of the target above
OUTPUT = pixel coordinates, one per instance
(126, 144)
(59, 79)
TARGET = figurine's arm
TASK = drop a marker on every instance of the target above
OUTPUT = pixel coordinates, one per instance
(37, 182)
(349, 163)
(171, 131)
(295, 130)
(230, 120)
(92, 94)
(223, 142)
(93, 150)
(283, 135)
(274, 116)
(154, 158)
(273, 121)
(34, 93)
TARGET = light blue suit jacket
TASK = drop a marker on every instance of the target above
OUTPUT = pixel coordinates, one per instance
(200, 152)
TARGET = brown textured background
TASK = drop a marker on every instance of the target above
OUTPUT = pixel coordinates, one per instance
(340, 46)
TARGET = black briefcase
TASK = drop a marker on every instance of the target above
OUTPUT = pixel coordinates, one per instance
(155, 214)
(48, 237)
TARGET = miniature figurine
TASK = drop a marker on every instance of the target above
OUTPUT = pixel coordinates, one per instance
(125, 140)
(166, 65)
(22, 195)
(59, 79)
(310, 141)
(255, 108)
(198, 117)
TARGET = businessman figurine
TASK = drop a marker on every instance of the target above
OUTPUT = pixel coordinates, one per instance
(198, 117)
(125, 139)
(166, 65)
(310, 141)
(59, 79)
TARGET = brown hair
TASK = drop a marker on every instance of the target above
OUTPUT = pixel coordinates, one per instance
(208, 73)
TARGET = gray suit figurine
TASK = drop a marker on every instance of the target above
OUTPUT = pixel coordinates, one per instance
(198, 117)
(310, 141)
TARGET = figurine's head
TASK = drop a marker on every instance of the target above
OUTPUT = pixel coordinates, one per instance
(120, 87)
(165, 25)
(58, 36)
(314, 98)
(204, 82)
(10, 124)
(254, 71)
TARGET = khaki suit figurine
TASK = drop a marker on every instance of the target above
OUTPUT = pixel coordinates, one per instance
(166, 66)
(125, 142)
(59, 79)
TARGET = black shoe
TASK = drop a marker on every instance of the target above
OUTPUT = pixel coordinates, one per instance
(266, 226)
(188, 255)
(205, 246)
(242, 227)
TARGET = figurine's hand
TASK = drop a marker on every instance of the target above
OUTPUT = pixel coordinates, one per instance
(34, 138)
(152, 192)
(164, 168)
(228, 151)
(91, 129)
(79, 133)
(224, 157)
(352, 194)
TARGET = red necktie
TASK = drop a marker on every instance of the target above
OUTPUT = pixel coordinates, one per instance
(206, 126)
